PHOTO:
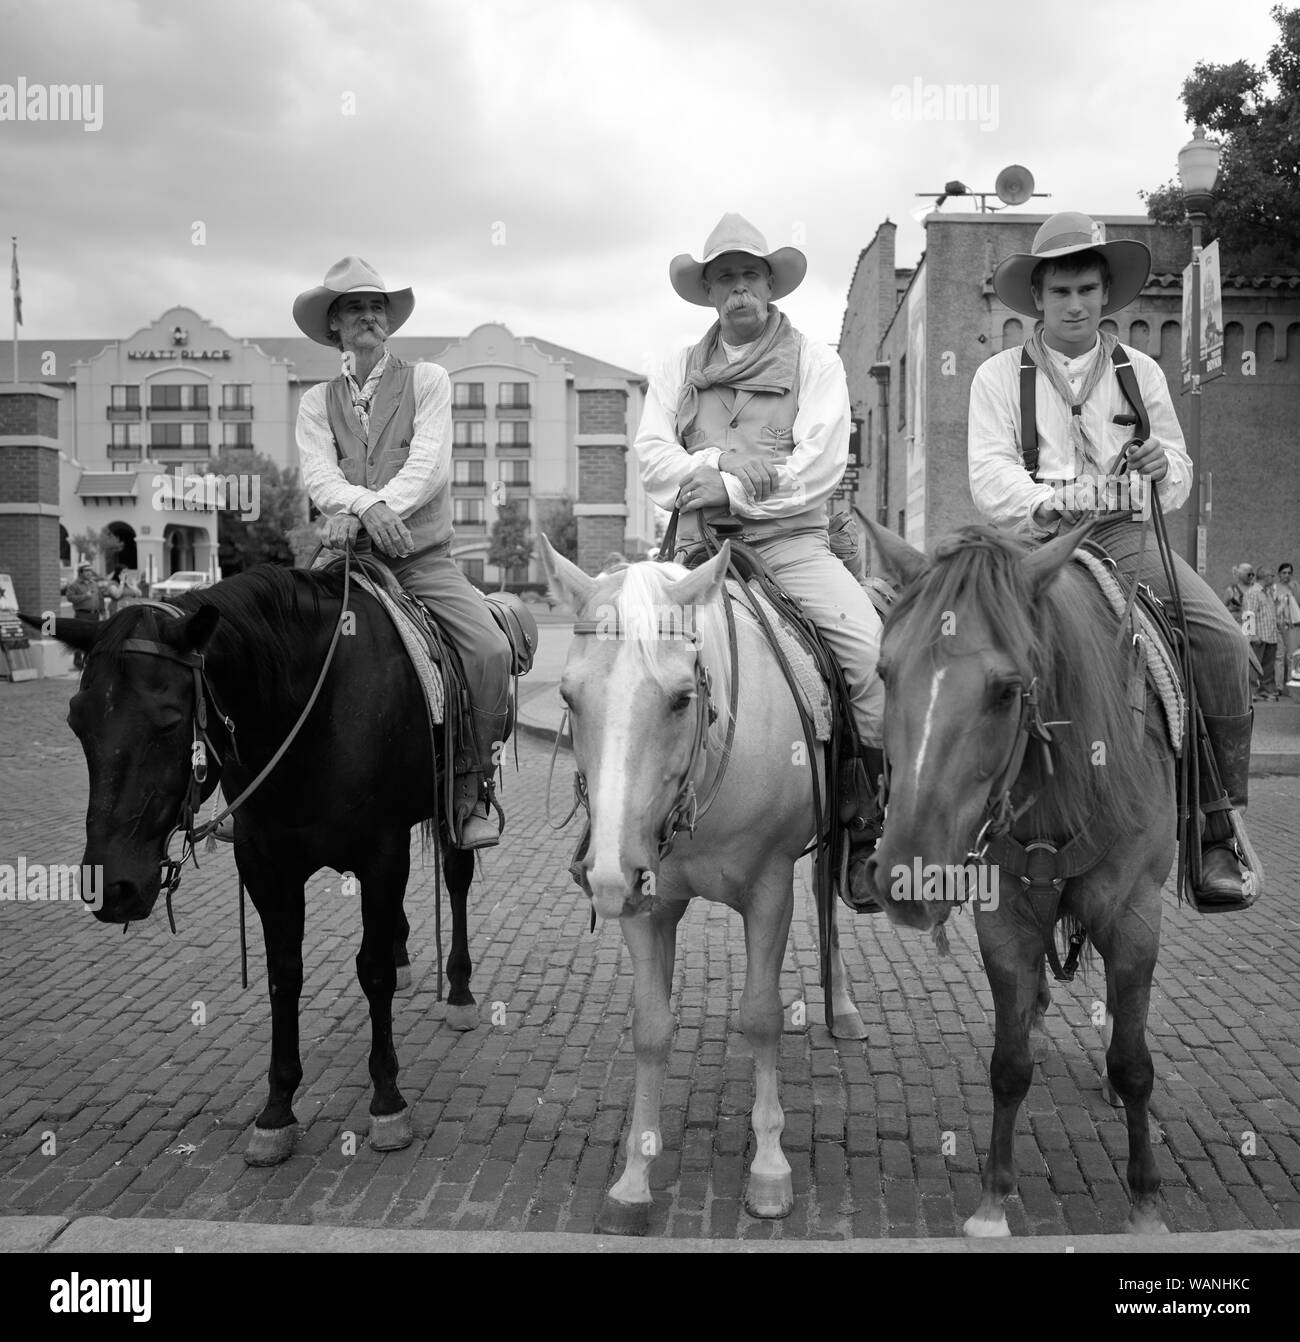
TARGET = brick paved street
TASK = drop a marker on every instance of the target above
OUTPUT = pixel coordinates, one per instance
(518, 1126)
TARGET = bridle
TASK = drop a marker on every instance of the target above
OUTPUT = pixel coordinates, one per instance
(687, 810)
(201, 743)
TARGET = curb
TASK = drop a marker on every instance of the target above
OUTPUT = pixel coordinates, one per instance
(104, 1234)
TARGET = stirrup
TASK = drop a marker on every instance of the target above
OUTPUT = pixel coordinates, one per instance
(473, 827)
(1208, 899)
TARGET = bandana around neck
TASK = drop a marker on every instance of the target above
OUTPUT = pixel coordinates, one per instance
(769, 364)
(1085, 450)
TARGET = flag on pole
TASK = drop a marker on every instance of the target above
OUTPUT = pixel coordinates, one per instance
(16, 285)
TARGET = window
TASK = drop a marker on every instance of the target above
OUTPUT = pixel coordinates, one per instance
(513, 433)
(126, 396)
(128, 435)
(180, 396)
(468, 433)
(235, 435)
(467, 395)
(237, 396)
(513, 395)
(473, 569)
(869, 445)
(177, 435)
(514, 472)
(902, 392)
(467, 472)
(467, 512)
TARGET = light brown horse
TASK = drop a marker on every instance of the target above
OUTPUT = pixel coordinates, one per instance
(648, 669)
(995, 656)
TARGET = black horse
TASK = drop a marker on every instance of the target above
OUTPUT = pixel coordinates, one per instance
(363, 770)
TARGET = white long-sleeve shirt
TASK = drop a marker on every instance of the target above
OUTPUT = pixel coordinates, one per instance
(1003, 490)
(820, 433)
(427, 469)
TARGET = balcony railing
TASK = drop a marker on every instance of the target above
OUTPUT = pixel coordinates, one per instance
(514, 447)
(513, 411)
(124, 451)
(123, 414)
(176, 414)
(234, 413)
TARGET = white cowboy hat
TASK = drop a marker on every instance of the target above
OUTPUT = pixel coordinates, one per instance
(1063, 235)
(736, 234)
(352, 275)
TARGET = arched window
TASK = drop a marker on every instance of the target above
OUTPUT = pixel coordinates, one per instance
(1233, 342)
(1013, 332)
(1109, 327)
(1264, 345)
(1139, 336)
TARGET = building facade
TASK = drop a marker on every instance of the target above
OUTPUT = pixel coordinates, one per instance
(139, 420)
(912, 339)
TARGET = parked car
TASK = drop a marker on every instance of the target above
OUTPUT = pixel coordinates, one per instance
(187, 580)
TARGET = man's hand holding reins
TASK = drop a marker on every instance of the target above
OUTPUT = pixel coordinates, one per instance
(1147, 459)
(387, 530)
(342, 530)
(702, 489)
(756, 471)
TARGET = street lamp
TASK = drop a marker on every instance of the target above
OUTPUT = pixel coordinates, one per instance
(1198, 167)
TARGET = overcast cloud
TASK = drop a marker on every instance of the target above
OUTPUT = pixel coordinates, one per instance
(539, 163)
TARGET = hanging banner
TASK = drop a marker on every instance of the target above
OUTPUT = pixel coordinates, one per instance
(1211, 314)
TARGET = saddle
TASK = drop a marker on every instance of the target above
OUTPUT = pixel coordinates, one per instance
(436, 664)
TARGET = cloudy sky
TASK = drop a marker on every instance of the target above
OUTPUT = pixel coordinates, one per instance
(538, 162)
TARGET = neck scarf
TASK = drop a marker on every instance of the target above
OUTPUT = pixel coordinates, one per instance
(363, 396)
(1086, 460)
(769, 364)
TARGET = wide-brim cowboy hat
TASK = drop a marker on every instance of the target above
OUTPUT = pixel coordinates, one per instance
(352, 275)
(736, 234)
(1063, 235)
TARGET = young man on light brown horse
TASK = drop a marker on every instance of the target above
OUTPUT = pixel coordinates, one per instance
(1069, 282)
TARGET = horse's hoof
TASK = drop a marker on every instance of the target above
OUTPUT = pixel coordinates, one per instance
(463, 1017)
(403, 978)
(271, 1146)
(623, 1218)
(1146, 1223)
(390, 1132)
(848, 1026)
(987, 1227)
(1040, 1045)
(770, 1196)
(1110, 1094)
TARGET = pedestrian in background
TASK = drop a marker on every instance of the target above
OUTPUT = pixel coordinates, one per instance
(1232, 597)
(87, 602)
(1259, 624)
(1286, 604)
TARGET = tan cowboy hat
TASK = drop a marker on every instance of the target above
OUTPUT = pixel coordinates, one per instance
(736, 234)
(352, 275)
(1063, 235)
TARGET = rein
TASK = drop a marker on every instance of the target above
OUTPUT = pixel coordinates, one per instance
(202, 744)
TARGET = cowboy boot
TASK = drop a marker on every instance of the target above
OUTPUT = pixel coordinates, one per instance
(1222, 886)
(475, 827)
(865, 823)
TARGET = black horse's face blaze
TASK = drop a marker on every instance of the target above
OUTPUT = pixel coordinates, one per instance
(133, 717)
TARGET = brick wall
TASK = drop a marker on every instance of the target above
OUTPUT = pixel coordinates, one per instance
(602, 474)
(598, 537)
(29, 542)
(602, 411)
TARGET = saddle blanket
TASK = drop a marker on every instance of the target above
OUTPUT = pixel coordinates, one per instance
(813, 690)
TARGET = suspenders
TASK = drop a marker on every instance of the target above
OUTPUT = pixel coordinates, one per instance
(1128, 385)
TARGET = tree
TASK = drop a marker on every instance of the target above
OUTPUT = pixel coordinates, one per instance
(558, 524)
(1255, 113)
(511, 546)
(92, 543)
(242, 539)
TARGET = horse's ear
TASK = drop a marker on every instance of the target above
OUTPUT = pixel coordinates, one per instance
(903, 560)
(568, 581)
(78, 634)
(198, 628)
(1041, 565)
(701, 585)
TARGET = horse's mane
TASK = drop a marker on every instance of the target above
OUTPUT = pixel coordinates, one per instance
(266, 614)
(641, 600)
(1066, 637)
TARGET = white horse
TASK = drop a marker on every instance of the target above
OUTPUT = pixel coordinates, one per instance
(648, 684)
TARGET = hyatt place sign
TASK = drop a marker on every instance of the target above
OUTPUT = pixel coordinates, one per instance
(178, 354)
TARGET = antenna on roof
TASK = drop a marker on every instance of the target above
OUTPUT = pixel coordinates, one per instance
(1014, 186)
